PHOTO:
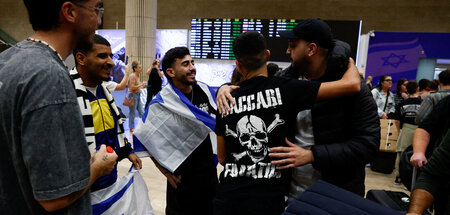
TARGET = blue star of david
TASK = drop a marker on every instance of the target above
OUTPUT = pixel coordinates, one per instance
(394, 60)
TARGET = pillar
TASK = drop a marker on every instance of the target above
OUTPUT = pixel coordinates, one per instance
(140, 25)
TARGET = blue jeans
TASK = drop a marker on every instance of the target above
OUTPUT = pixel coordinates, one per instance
(138, 106)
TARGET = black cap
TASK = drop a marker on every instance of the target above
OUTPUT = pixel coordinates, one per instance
(311, 30)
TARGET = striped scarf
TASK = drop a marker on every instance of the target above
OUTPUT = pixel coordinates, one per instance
(86, 112)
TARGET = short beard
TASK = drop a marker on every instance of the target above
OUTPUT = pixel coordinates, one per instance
(301, 68)
(190, 82)
(107, 79)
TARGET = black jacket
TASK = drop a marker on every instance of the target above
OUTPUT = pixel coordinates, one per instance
(346, 130)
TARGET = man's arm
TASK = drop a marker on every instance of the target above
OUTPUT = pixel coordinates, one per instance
(357, 150)
(171, 178)
(102, 164)
(420, 144)
(223, 96)
(137, 162)
(123, 83)
(221, 150)
(350, 83)
(432, 128)
(420, 201)
(291, 156)
(434, 177)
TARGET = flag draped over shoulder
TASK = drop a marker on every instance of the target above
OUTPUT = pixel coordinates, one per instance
(172, 127)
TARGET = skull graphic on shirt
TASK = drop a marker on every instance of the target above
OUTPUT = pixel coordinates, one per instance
(252, 134)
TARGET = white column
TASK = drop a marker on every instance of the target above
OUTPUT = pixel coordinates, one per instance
(140, 25)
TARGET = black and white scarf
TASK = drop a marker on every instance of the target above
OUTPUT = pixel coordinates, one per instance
(86, 112)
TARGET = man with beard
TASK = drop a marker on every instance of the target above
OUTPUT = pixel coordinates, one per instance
(102, 120)
(178, 122)
(263, 117)
(337, 137)
(45, 161)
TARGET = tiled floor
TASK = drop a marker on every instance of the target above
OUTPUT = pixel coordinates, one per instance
(156, 182)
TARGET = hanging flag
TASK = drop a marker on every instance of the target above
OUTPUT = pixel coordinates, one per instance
(129, 195)
(397, 59)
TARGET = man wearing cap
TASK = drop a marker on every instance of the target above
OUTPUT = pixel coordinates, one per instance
(337, 137)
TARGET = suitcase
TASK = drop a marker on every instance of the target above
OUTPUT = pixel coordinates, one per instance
(384, 162)
(408, 173)
(398, 201)
(323, 198)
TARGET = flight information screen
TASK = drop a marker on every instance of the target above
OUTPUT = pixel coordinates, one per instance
(213, 38)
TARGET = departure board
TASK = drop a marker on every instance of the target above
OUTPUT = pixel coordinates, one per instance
(213, 38)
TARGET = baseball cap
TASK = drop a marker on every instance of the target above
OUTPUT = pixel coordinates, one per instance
(311, 30)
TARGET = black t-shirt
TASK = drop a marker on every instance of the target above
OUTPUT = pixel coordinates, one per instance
(201, 160)
(265, 109)
(406, 111)
(437, 123)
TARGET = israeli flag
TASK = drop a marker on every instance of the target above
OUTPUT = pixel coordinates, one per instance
(129, 195)
(172, 127)
(398, 59)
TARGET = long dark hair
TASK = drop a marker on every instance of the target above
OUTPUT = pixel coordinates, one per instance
(382, 78)
(400, 82)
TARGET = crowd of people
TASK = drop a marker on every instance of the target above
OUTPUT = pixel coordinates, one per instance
(278, 132)
(421, 113)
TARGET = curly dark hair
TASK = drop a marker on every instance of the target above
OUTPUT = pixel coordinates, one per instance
(171, 56)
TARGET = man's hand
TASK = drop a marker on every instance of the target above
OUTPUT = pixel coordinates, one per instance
(291, 156)
(420, 143)
(171, 178)
(352, 75)
(103, 162)
(418, 160)
(384, 116)
(137, 163)
(223, 96)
